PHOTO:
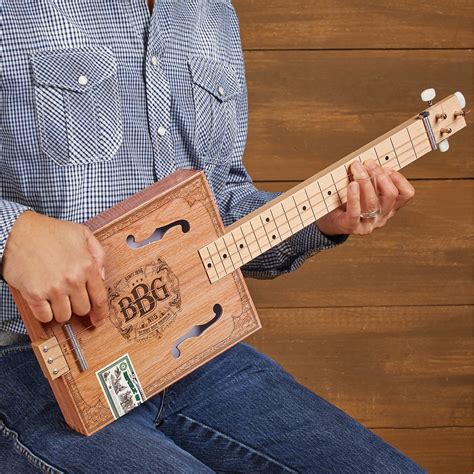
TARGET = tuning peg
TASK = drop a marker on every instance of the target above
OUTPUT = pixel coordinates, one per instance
(443, 146)
(461, 99)
(428, 95)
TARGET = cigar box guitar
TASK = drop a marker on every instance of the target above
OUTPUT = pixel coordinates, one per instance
(175, 292)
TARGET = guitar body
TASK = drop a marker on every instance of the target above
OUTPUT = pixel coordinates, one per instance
(165, 317)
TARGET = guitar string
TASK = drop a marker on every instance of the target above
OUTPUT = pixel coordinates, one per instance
(347, 177)
(312, 207)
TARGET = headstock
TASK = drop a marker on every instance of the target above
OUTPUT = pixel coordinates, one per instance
(446, 117)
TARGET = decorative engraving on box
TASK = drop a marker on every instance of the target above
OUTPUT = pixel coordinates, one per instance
(145, 302)
(93, 416)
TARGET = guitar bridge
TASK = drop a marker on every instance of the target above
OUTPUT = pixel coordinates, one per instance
(51, 358)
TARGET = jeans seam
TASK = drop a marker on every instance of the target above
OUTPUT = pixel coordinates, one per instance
(248, 448)
(24, 451)
(24, 347)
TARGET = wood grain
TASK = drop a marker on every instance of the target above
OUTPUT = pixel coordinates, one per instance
(163, 313)
(424, 257)
(438, 450)
(341, 24)
(310, 108)
(386, 367)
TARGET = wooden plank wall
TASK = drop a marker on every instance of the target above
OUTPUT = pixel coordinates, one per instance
(381, 326)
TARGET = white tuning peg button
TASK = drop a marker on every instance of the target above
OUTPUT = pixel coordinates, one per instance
(443, 146)
(428, 95)
(461, 99)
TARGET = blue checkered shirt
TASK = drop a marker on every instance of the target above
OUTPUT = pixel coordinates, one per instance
(100, 100)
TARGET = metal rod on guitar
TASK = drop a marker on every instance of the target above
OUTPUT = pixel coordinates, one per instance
(76, 347)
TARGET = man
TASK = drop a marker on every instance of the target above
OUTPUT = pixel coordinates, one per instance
(99, 100)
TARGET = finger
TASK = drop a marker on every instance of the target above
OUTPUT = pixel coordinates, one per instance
(96, 250)
(405, 190)
(41, 310)
(61, 307)
(353, 206)
(368, 197)
(80, 303)
(98, 298)
(388, 193)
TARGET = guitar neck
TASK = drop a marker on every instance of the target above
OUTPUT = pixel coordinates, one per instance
(310, 200)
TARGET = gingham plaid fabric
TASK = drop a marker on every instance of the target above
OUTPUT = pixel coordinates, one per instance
(100, 100)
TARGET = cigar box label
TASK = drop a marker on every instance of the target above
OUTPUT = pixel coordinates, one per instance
(121, 386)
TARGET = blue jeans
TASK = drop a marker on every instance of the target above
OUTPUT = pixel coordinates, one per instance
(241, 412)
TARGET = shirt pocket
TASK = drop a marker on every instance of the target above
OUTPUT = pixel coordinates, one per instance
(216, 88)
(78, 104)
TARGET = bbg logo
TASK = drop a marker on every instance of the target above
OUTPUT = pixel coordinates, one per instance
(145, 302)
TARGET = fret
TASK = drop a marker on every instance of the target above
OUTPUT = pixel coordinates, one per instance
(304, 206)
(208, 264)
(223, 252)
(322, 195)
(241, 245)
(316, 200)
(396, 154)
(386, 154)
(281, 221)
(329, 192)
(291, 212)
(297, 217)
(309, 204)
(403, 146)
(275, 223)
(262, 237)
(270, 228)
(420, 141)
(216, 259)
(233, 251)
(251, 239)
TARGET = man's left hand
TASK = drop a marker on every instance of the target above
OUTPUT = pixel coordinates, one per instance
(393, 192)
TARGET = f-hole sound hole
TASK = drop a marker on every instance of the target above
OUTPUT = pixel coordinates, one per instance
(157, 234)
(196, 331)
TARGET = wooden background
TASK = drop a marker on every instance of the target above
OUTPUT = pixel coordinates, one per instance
(381, 326)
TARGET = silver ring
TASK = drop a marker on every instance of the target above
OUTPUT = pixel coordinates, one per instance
(371, 214)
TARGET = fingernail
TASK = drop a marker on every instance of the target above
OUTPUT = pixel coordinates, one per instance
(360, 172)
(353, 188)
(102, 273)
(370, 164)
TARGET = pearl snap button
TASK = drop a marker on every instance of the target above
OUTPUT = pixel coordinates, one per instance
(221, 91)
(83, 80)
(154, 60)
(161, 130)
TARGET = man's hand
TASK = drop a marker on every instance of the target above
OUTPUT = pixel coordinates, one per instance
(57, 266)
(393, 192)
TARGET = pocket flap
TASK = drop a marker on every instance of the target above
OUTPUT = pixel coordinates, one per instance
(75, 69)
(217, 77)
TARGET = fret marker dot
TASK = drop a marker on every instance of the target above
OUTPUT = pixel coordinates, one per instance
(209, 265)
(329, 193)
(304, 208)
(241, 246)
(387, 158)
(267, 219)
(274, 237)
(224, 255)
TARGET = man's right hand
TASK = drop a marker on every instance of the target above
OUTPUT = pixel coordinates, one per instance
(57, 266)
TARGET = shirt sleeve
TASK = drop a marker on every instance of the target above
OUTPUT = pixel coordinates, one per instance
(9, 213)
(239, 196)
